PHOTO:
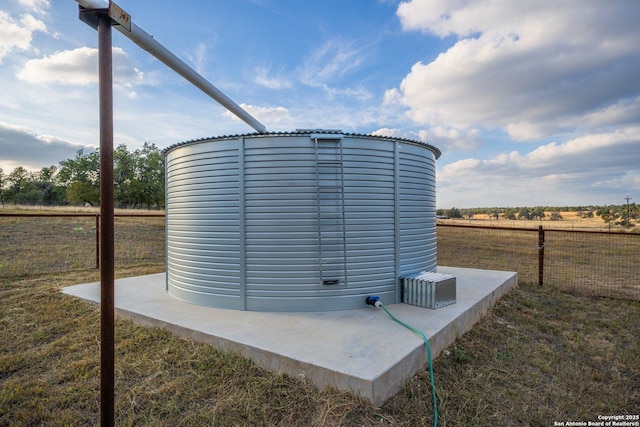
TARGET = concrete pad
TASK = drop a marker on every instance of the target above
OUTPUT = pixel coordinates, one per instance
(361, 350)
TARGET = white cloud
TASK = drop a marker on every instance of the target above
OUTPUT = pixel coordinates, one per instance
(588, 169)
(17, 35)
(30, 23)
(359, 94)
(391, 97)
(615, 150)
(531, 68)
(446, 139)
(39, 6)
(449, 139)
(199, 58)
(263, 78)
(268, 115)
(392, 133)
(330, 62)
(78, 67)
(625, 111)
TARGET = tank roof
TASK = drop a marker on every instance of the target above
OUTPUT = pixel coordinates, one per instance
(309, 132)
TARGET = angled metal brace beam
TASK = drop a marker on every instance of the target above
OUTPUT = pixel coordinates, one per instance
(102, 18)
(148, 43)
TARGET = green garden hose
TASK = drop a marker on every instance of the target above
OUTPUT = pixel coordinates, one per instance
(375, 301)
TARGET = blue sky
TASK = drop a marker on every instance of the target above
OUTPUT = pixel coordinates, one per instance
(531, 103)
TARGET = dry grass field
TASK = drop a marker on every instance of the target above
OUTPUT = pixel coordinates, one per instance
(538, 357)
(570, 221)
(593, 263)
(40, 245)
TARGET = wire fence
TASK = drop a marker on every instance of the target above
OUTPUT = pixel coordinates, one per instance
(596, 263)
(35, 244)
(489, 248)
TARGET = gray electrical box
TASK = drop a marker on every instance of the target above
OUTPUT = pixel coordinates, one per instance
(430, 290)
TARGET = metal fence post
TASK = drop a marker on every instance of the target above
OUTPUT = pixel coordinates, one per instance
(541, 243)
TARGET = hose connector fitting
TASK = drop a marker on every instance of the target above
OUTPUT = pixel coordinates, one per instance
(374, 301)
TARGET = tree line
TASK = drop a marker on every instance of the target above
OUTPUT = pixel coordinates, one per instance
(138, 180)
(625, 215)
(139, 183)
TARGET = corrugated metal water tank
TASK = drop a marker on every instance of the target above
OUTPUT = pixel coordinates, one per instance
(300, 221)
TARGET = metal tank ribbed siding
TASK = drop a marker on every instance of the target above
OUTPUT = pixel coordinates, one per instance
(300, 221)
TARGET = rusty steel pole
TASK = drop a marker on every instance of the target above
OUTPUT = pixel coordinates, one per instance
(97, 240)
(107, 335)
(102, 16)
